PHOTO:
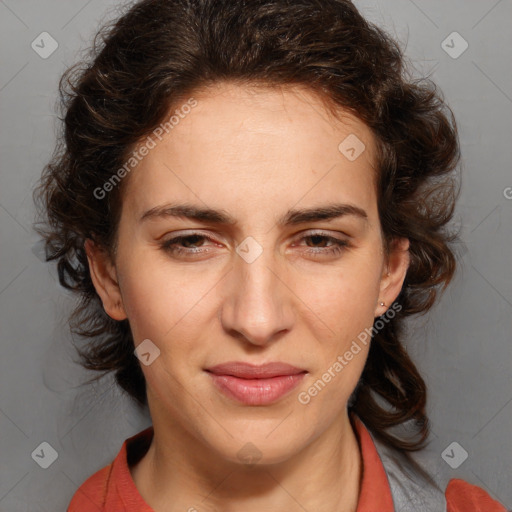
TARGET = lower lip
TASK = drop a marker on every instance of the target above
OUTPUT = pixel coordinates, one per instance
(256, 391)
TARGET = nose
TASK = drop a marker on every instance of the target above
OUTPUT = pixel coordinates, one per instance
(258, 305)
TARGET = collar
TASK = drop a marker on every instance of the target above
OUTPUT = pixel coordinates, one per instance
(375, 493)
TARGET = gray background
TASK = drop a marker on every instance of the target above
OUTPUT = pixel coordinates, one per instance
(463, 347)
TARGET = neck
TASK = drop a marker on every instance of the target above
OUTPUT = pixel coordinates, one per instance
(180, 473)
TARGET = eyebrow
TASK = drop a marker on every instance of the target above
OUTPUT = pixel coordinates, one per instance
(220, 217)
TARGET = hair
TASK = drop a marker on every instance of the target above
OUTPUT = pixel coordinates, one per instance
(158, 52)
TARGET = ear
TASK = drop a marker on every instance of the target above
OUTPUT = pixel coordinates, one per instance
(104, 278)
(393, 274)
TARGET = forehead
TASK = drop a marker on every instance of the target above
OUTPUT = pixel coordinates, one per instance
(256, 147)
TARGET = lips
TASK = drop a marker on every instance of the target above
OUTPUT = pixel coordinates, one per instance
(250, 371)
(255, 384)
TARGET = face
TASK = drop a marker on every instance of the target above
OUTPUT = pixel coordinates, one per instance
(285, 264)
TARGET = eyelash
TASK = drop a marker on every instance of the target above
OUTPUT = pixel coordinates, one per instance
(172, 247)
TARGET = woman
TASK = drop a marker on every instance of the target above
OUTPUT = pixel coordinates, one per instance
(250, 200)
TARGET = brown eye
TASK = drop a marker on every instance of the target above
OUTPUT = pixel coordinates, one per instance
(186, 244)
(318, 244)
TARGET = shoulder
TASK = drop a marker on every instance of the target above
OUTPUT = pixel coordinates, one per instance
(414, 489)
(92, 493)
(464, 497)
(112, 488)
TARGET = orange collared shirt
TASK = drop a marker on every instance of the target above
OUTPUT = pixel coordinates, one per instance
(112, 489)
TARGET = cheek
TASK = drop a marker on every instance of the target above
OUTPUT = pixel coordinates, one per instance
(159, 300)
(351, 300)
(343, 303)
(167, 307)
(344, 299)
(342, 323)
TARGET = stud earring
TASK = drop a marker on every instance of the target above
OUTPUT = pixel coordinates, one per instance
(382, 304)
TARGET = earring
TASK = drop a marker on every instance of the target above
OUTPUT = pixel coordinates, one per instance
(382, 304)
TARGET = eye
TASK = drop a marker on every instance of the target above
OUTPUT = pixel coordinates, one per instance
(194, 244)
(337, 244)
(187, 244)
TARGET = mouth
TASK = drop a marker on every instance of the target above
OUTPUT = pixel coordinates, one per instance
(255, 384)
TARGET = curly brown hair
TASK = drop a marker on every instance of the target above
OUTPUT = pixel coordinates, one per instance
(160, 51)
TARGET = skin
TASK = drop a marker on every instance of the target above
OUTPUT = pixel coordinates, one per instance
(253, 153)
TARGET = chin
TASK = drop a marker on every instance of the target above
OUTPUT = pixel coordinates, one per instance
(259, 447)
(259, 454)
